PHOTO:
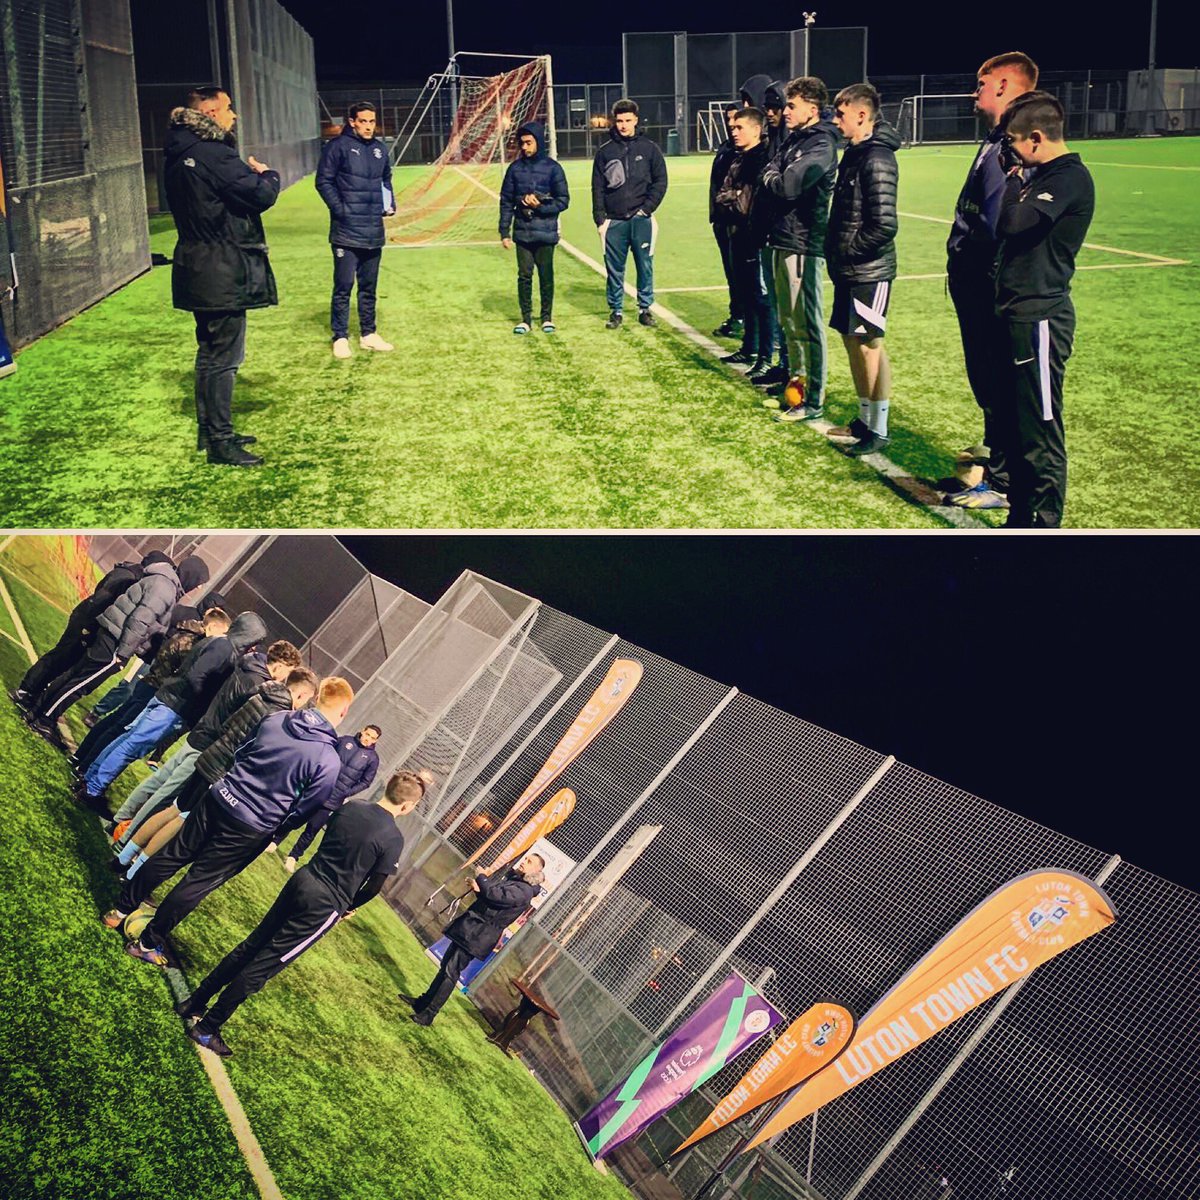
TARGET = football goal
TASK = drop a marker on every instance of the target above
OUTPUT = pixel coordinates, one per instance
(946, 118)
(453, 147)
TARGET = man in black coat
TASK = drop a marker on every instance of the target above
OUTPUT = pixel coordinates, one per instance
(220, 266)
(629, 181)
(732, 325)
(860, 250)
(474, 934)
(354, 178)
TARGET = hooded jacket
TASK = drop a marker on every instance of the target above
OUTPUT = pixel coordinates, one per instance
(860, 243)
(775, 96)
(220, 260)
(207, 667)
(248, 675)
(502, 899)
(544, 178)
(270, 697)
(753, 93)
(359, 765)
(82, 618)
(796, 185)
(289, 766)
(351, 177)
(139, 612)
(629, 175)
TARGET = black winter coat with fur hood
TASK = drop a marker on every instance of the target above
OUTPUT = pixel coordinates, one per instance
(220, 261)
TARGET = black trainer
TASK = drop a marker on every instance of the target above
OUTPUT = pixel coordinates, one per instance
(870, 444)
(185, 1010)
(20, 698)
(771, 377)
(614, 321)
(210, 1038)
(738, 356)
(729, 328)
(411, 1001)
(228, 453)
(44, 727)
(202, 443)
(646, 317)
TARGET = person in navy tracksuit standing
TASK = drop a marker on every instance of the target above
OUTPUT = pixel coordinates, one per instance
(354, 178)
(532, 195)
(629, 181)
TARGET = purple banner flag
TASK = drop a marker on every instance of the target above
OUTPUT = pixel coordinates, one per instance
(731, 1019)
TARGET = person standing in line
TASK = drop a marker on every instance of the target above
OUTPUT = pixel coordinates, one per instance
(860, 250)
(354, 178)
(981, 478)
(290, 764)
(532, 195)
(1049, 200)
(732, 326)
(629, 181)
(361, 848)
(220, 266)
(797, 184)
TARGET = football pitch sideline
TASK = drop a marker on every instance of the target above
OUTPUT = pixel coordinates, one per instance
(104, 1097)
(465, 426)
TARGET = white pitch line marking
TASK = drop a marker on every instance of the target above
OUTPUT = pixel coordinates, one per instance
(951, 514)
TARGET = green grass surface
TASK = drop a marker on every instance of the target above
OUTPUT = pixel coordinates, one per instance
(104, 1097)
(465, 426)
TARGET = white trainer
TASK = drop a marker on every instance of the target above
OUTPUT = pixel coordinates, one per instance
(374, 342)
(341, 348)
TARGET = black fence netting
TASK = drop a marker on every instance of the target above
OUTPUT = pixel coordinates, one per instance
(75, 211)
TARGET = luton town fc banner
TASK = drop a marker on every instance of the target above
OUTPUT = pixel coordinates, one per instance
(719, 1030)
(1000, 941)
(543, 823)
(809, 1044)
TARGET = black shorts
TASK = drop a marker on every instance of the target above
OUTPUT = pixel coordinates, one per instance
(860, 309)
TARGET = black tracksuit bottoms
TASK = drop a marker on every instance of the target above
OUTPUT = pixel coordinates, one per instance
(302, 913)
(220, 350)
(217, 846)
(98, 662)
(65, 653)
(1033, 419)
(989, 364)
(542, 258)
(454, 963)
(723, 234)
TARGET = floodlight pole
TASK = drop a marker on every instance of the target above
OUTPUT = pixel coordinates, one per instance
(1150, 70)
(453, 68)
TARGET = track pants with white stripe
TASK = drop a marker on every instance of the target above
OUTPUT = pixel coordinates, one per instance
(637, 235)
(798, 281)
(84, 676)
(302, 913)
(1036, 447)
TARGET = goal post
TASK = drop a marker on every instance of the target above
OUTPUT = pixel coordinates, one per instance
(456, 141)
(944, 117)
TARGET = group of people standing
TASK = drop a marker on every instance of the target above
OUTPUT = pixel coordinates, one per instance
(784, 209)
(261, 759)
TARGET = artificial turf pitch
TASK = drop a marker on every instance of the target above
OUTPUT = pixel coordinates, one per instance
(467, 426)
(103, 1096)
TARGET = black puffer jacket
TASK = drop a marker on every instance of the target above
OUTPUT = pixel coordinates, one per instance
(270, 697)
(796, 185)
(860, 245)
(139, 612)
(220, 260)
(351, 177)
(502, 899)
(249, 674)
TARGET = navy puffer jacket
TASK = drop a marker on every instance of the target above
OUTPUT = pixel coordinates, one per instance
(350, 179)
(544, 178)
(359, 765)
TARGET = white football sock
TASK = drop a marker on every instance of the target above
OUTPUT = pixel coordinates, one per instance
(864, 409)
(877, 419)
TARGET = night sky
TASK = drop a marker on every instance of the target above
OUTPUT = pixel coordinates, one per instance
(392, 43)
(1051, 675)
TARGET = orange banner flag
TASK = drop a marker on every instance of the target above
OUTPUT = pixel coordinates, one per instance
(1000, 941)
(547, 819)
(809, 1044)
(605, 702)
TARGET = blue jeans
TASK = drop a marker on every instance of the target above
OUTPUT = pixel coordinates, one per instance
(620, 237)
(155, 721)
